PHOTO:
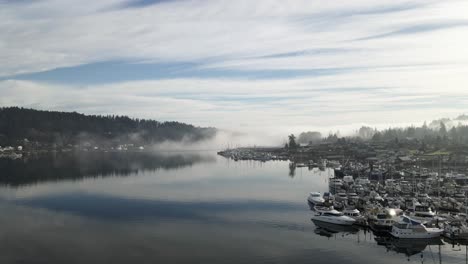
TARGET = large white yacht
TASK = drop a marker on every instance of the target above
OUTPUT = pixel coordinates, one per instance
(332, 216)
(315, 198)
(410, 228)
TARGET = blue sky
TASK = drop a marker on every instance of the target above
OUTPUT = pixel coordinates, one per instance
(241, 65)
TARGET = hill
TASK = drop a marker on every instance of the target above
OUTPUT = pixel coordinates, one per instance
(71, 128)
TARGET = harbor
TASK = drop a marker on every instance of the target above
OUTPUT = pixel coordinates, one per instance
(395, 194)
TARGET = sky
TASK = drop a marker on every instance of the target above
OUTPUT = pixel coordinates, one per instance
(264, 65)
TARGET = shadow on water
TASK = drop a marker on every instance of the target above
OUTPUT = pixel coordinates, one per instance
(75, 166)
(125, 209)
(334, 229)
(408, 247)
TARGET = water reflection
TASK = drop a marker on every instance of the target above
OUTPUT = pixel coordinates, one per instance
(328, 229)
(408, 247)
(292, 170)
(177, 208)
(78, 165)
(121, 208)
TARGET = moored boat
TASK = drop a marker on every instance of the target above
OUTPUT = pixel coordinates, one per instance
(315, 198)
(381, 221)
(456, 230)
(413, 229)
(332, 216)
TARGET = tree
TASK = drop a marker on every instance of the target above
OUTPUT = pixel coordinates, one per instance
(377, 137)
(366, 132)
(443, 129)
(64, 128)
(292, 141)
(309, 137)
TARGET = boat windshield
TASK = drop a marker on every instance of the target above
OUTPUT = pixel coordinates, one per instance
(421, 208)
(381, 216)
(400, 225)
(332, 214)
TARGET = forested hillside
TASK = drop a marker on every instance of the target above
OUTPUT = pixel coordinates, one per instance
(65, 128)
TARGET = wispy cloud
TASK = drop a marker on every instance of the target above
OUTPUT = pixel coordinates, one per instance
(421, 28)
(226, 63)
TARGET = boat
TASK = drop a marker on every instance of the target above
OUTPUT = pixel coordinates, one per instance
(358, 188)
(335, 183)
(362, 181)
(341, 197)
(315, 198)
(353, 197)
(356, 215)
(381, 221)
(459, 196)
(347, 179)
(328, 197)
(421, 212)
(331, 216)
(412, 229)
(456, 230)
(423, 197)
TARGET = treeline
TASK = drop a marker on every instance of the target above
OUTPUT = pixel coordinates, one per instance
(456, 134)
(64, 128)
(438, 134)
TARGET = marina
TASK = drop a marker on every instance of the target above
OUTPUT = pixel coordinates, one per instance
(123, 201)
(412, 198)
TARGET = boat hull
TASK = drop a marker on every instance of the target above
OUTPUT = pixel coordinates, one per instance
(380, 229)
(409, 234)
(316, 201)
(334, 220)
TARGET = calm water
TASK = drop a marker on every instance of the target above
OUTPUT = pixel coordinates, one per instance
(179, 208)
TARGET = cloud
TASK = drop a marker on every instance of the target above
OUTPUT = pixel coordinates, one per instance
(142, 3)
(246, 65)
(423, 28)
(207, 31)
(267, 107)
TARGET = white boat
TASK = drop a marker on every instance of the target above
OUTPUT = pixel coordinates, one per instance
(423, 197)
(373, 195)
(362, 181)
(460, 196)
(332, 216)
(456, 229)
(412, 229)
(341, 197)
(358, 188)
(348, 179)
(382, 220)
(335, 183)
(422, 212)
(352, 196)
(315, 198)
(356, 215)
